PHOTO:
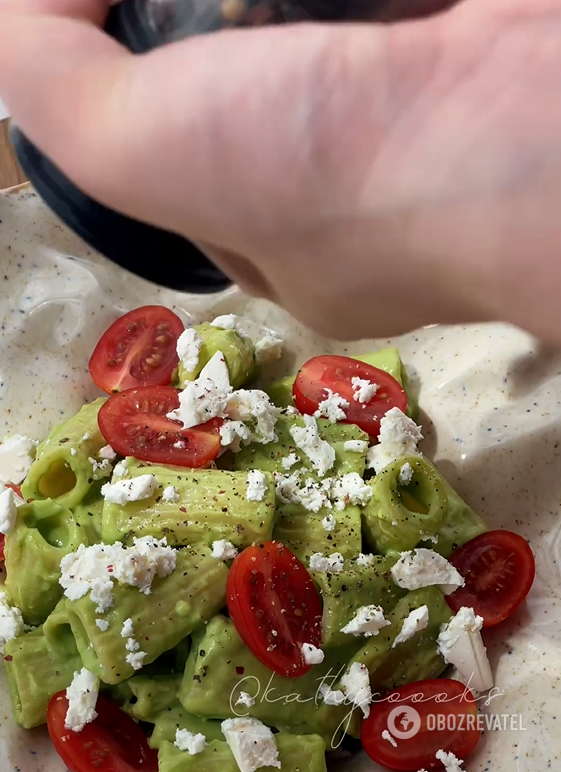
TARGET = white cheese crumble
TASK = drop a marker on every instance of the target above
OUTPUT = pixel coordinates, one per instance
(11, 622)
(367, 621)
(256, 485)
(245, 699)
(450, 762)
(333, 564)
(87, 436)
(332, 407)
(365, 560)
(8, 511)
(127, 629)
(389, 737)
(424, 568)
(190, 742)
(398, 437)
(103, 625)
(233, 433)
(331, 696)
(107, 453)
(417, 620)
(100, 469)
(188, 349)
(136, 660)
(355, 446)
(329, 523)
(461, 645)
(256, 407)
(217, 371)
(121, 469)
(93, 569)
(252, 743)
(308, 440)
(199, 402)
(82, 698)
(170, 494)
(124, 491)
(350, 489)
(289, 461)
(73, 451)
(405, 474)
(311, 495)
(224, 550)
(356, 685)
(267, 343)
(363, 390)
(311, 654)
(17, 453)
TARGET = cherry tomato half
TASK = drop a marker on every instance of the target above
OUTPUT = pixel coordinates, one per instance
(412, 714)
(499, 569)
(139, 349)
(111, 743)
(336, 373)
(275, 606)
(135, 423)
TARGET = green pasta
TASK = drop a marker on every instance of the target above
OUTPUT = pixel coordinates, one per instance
(62, 469)
(210, 507)
(150, 697)
(189, 596)
(44, 534)
(305, 534)
(36, 672)
(176, 717)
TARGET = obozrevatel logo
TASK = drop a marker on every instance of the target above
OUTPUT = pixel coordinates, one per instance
(404, 722)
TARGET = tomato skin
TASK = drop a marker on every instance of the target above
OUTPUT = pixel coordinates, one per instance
(499, 569)
(335, 373)
(270, 589)
(16, 489)
(457, 704)
(139, 349)
(135, 423)
(111, 743)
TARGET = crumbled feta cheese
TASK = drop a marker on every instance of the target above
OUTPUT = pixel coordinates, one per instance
(307, 438)
(389, 737)
(332, 407)
(289, 461)
(132, 645)
(245, 699)
(190, 742)
(254, 407)
(268, 344)
(356, 685)
(170, 494)
(417, 620)
(128, 629)
(329, 523)
(124, 491)
(188, 349)
(398, 437)
(200, 401)
(82, 698)
(87, 436)
(16, 456)
(367, 621)
(355, 446)
(8, 511)
(365, 560)
(406, 473)
(233, 433)
(423, 568)
(331, 696)
(333, 564)
(100, 469)
(450, 762)
(224, 550)
(252, 743)
(93, 569)
(461, 645)
(73, 451)
(363, 390)
(217, 371)
(121, 469)
(256, 485)
(136, 660)
(11, 622)
(350, 489)
(180, 444)
(107, 453)
(311, 654)
(312, 495)
(103, 624)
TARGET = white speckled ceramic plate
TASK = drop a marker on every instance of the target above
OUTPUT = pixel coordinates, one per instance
(491, 402)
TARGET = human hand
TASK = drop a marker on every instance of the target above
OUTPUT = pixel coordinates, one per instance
(370, 179)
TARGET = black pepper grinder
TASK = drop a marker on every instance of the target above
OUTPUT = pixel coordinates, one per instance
(160, 256)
